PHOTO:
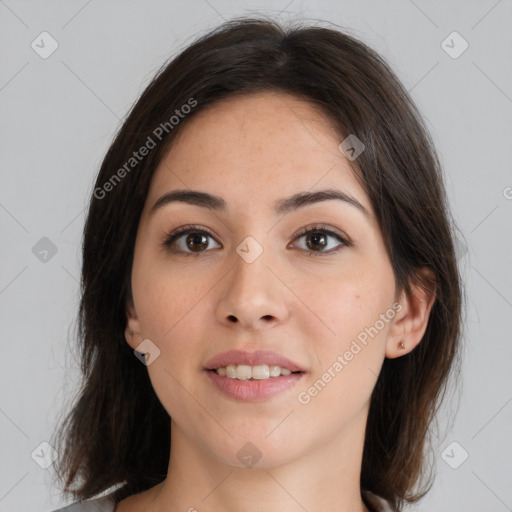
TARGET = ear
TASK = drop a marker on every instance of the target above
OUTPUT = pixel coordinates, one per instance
(410, 322)
(132, 331)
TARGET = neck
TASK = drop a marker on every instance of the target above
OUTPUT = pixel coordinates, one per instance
(325, 478)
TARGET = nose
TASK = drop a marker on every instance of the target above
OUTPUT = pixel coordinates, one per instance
(253, 295)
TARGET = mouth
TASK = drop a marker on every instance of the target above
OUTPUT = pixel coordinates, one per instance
(252, 376)
(244, 383)
(244, 372)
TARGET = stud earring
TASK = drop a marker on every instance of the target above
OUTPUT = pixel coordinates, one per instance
(131, 333)
(401, 345)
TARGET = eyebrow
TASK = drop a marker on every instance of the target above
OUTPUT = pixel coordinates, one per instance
(281, 207)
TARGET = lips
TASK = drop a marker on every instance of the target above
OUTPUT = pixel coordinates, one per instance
(253, 391)
(255, 358)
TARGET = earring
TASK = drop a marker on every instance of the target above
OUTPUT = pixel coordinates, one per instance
(401, 345)
(131, 333)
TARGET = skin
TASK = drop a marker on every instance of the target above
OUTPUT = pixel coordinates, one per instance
(252, 151)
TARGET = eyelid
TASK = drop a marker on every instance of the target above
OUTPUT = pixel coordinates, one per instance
(170, 238)
(328, 230)
(344, 241)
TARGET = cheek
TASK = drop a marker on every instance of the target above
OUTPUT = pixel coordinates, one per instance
(172, 304)
(171, 315)
(348, 334)
(343, 305)
(349, 358)
(165, 295)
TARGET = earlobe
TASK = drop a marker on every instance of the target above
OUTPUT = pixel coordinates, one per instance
(410, 324)
(132, 326)
(129, 336)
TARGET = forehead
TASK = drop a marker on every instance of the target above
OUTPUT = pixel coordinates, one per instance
(256, 149)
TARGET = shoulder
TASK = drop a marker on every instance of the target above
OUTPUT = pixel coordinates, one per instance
(376, 503)
(104, 504)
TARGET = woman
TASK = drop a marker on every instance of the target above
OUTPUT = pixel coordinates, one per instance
(269, 236)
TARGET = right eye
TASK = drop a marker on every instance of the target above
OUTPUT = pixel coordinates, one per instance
(186, 239)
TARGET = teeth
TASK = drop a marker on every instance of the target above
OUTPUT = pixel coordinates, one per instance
(245, 372)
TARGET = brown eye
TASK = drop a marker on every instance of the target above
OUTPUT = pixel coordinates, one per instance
(189, 240)
(196, 242)
(318, 241)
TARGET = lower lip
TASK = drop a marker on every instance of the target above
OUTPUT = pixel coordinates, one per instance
(253, 390)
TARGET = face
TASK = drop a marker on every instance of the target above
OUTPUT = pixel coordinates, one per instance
(312, 283)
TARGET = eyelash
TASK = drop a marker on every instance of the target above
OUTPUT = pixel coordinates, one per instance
(171, 238)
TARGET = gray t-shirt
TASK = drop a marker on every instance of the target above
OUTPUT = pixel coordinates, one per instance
(106, 504)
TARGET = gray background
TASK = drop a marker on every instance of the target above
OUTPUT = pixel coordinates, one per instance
(58, 118)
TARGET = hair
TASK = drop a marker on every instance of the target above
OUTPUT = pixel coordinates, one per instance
(117, 433)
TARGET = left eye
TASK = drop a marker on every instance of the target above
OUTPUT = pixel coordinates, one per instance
(317, 241)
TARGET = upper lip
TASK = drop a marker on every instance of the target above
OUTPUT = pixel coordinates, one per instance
(254, 358)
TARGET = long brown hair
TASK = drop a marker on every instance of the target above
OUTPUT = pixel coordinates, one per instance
(117, 433)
